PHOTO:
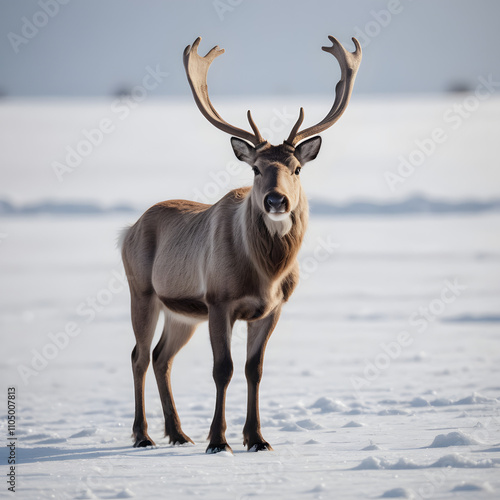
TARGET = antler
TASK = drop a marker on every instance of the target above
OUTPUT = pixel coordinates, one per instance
(196, 71)
(349, 64)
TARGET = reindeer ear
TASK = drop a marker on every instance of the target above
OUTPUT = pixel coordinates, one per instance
(243, 151)
(308, 150)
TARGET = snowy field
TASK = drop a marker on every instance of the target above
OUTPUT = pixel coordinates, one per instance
(382, 379)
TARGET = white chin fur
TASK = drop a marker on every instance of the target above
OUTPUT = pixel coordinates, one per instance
(277, 217)
(278, 223)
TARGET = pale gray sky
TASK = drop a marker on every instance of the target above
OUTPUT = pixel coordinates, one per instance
(97, 47)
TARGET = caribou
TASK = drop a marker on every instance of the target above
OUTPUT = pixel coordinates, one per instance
(234, 260)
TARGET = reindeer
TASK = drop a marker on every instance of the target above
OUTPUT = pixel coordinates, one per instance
(234, 260)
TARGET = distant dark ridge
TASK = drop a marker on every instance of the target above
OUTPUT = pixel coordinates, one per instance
(413, 205)
(474, 318)
(61, 208)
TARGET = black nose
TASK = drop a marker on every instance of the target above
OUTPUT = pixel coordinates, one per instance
(275, 202)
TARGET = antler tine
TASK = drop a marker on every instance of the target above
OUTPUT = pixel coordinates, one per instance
(296, 127)
(260, 140)
(349, 64)
(196, 71)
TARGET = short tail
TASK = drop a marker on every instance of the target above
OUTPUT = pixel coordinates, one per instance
(121, 236)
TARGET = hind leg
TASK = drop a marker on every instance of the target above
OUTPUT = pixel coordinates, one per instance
(145, 310)
(176, 335)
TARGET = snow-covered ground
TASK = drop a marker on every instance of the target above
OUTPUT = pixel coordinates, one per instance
(382, 378)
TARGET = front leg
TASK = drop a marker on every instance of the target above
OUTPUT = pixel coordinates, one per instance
(220, 326)
(258, 335)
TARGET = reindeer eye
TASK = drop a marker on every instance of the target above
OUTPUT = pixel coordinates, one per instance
(297, 170)
(256, 171)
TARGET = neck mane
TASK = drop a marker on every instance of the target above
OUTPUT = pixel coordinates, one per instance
(273, 253)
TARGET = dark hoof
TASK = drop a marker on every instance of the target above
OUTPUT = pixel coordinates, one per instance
(144, 443)
(261, 447)
(179, 439)
(217, 448)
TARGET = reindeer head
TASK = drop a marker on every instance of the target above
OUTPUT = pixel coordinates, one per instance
(276, 190)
